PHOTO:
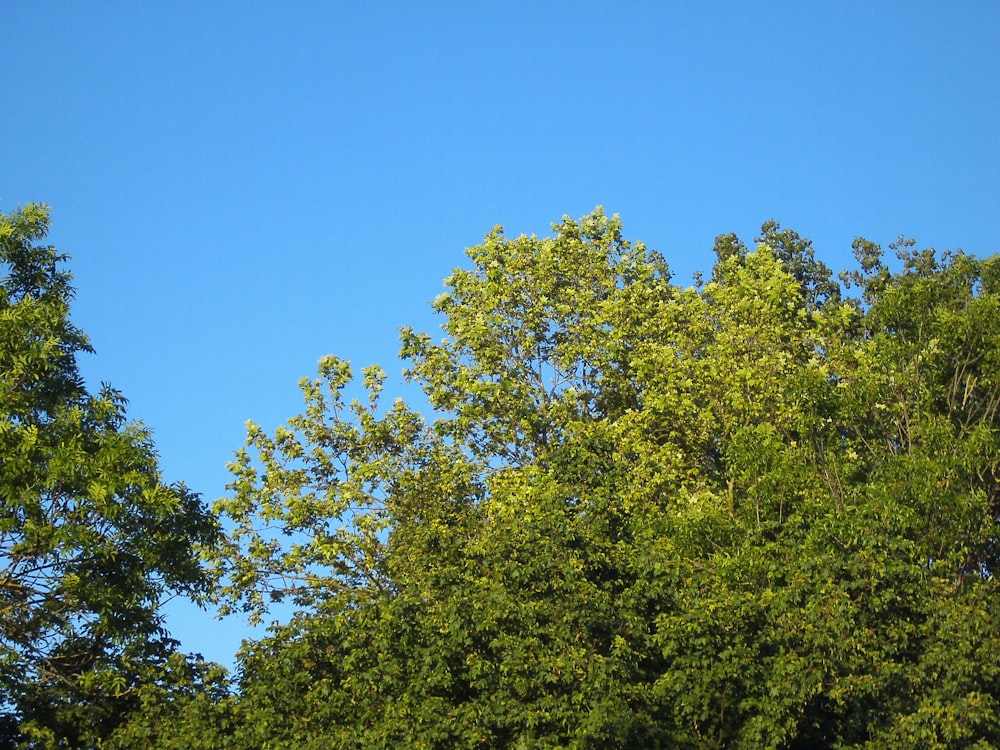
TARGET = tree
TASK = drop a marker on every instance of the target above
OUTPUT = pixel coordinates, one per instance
(91, 539)
(753, 513)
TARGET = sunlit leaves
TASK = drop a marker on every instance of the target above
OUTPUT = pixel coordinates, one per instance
(740, 514)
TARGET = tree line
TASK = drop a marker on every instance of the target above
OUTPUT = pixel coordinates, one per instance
(757, 511)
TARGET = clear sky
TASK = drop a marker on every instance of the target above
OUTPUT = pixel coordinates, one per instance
(246, 186)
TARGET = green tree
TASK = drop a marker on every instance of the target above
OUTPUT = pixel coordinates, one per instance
(91, 540)
(753, 513)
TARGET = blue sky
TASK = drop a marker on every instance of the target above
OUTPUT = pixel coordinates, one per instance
(244, 187)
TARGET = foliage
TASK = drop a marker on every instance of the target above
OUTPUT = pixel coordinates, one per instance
(90, 538)
(185, 704)
(757, 512)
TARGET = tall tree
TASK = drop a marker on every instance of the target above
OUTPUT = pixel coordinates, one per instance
(752, 513)
(91, 539)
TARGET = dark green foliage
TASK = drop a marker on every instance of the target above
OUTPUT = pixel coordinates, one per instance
(796, 254)
(90, 538)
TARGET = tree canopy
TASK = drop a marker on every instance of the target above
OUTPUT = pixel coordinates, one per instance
(758, 511)
(754, 512)
(91, 539)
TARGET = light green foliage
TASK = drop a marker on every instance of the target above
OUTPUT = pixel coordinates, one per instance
(756, 512)
(90, 538)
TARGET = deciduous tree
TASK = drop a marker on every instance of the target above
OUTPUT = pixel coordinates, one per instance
(91, 539)
(756, 512)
